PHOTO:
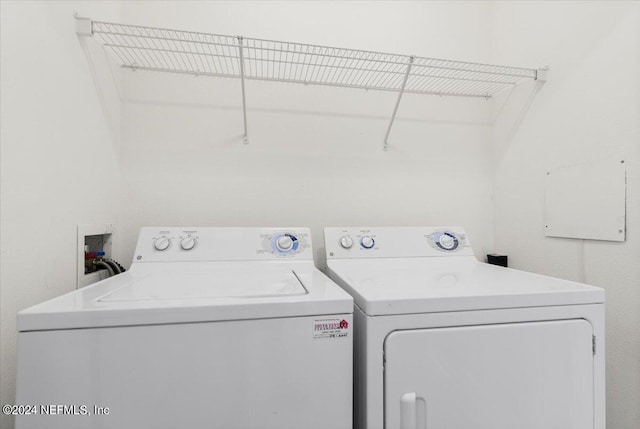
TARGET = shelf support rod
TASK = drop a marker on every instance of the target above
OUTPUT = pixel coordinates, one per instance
(245, 137)
(395, 109)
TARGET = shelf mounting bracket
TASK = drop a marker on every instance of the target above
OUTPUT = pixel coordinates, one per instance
(395, 109)
(541, 74)
(245, 137)
(84, 26)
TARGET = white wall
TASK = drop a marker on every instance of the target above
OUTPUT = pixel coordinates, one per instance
(58, 161)
(315, 155)
(589, 110)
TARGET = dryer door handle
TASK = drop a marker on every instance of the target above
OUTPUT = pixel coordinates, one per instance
(413, 411)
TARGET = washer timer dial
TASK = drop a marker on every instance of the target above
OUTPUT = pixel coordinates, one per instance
(162, 243)
(285, 243)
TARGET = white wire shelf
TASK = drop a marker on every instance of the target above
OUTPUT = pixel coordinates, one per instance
(175, 51)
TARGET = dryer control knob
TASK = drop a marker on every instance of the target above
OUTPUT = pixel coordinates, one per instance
(284, 243)
(367, 242)
(188, 243)
(447, 242)
(346, 242)
(162, 243)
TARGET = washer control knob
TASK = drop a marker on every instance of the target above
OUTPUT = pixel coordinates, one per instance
(447, 241)
(188, 243)
(346, 242)
(162, 243)
(367, 242)
(284, 243)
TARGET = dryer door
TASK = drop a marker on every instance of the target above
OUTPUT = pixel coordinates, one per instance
(519, 375)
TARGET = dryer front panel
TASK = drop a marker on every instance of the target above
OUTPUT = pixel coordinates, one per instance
(504, 376)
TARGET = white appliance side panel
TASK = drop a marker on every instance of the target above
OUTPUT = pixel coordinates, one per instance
(520, 375)
(267, 374)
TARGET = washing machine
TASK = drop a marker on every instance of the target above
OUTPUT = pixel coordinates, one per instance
(210, 328)
(443, 341)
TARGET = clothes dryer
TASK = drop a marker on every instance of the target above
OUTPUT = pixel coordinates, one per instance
(443, 341)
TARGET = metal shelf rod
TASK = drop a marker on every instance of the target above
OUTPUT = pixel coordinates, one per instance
(196, 73)
(245, 138)
(395, 109)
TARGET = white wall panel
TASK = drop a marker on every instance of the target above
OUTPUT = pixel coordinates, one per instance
(59, 157)
(586, 201)
(587, 112)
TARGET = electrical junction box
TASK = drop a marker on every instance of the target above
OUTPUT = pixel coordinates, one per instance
(93, 238)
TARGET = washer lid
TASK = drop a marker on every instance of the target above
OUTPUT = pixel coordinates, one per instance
(426, 285)
(184, 292)
(223, 282)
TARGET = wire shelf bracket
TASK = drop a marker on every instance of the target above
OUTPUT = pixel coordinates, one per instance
(245, 137)
(205, 54)
(395, 109)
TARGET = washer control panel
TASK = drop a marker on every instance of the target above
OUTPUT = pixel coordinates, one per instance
(390, 242)
(222, 244)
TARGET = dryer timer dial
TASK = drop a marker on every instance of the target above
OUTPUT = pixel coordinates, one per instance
(446, 241)
(367, 242)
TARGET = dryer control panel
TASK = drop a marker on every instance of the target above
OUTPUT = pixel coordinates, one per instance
(396, 242)
(176, 244)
